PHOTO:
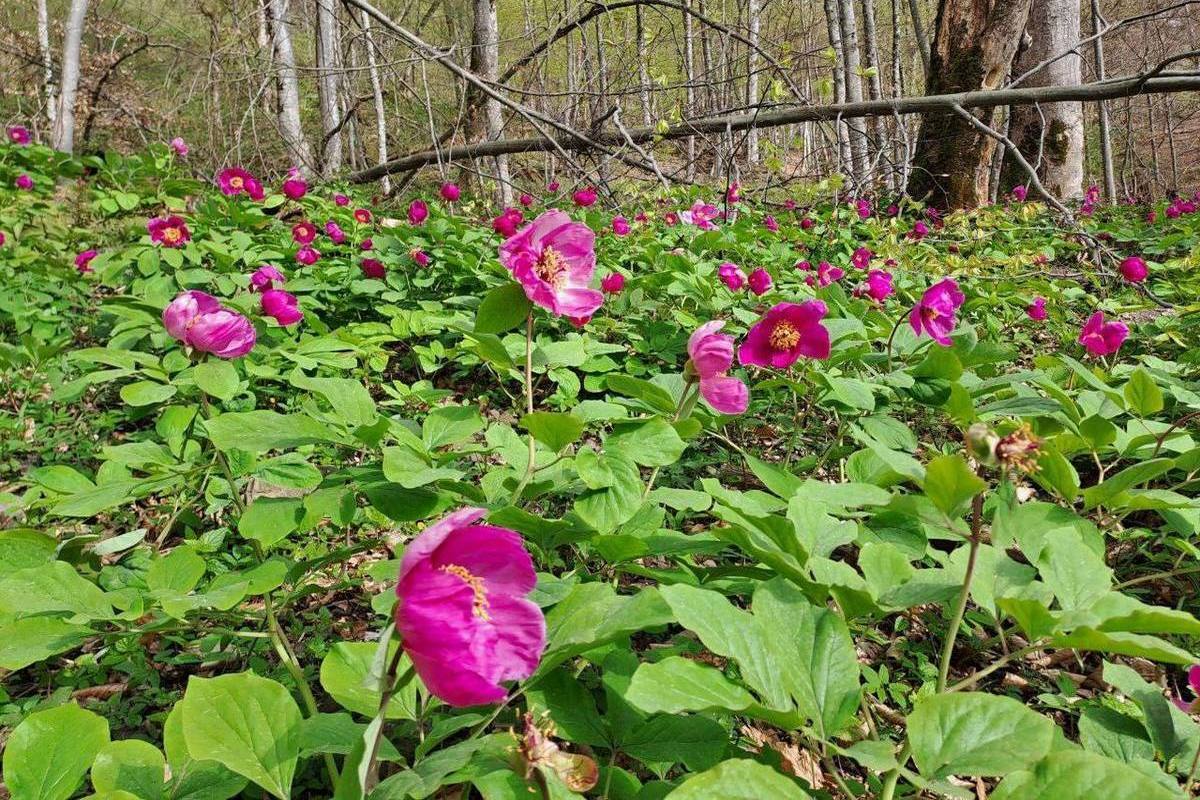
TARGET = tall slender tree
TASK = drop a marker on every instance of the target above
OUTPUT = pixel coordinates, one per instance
(288, 117)
(327, 87)
(63, 136)
(485, 57)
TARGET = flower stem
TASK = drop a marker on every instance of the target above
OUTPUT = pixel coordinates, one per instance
(531, 466)
(964, 594)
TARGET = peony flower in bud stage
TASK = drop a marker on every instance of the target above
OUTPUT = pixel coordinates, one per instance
(525, 199)
(295, 188)
(552, 187)
(770, 224)
(83, 261)
(507, 222)
(806, 224)
(785, 333)
(1019, 193)
(620, 226)
(223, 333)
(877, 286)
(307, 256)
(341, 199)
(710, 357)
(266, 277)
(366, 244)
(553, 258)
(732, 276)
(612, 283)
(170, 231)
(450, 192)
(671, 218)
(760, 281)
(584, 197)
(1102, 338)
(935, 313)
(1134, 270)
(826, 273)
(281, 305)
(733, 193)
(373, 268)
(419, 256)
(462, 610)
(23, 182)
(919, 231)
(1037, 309)
(418, 212)
(304, 232)
(182, 312)
(863, 207)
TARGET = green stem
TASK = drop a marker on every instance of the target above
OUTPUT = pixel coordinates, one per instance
(979, 675)
(888, 791)
(963, 596)
(531, 466)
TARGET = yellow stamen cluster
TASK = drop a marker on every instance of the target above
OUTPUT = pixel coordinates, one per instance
(476, 583)
(784, 336)
(552, 268)
(171, 235)
(236, 182)
(1019, 450)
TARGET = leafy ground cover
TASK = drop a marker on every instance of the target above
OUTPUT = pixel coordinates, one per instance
(786, 497)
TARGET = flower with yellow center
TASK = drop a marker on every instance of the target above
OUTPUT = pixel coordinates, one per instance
(784, 335)
(552, 268)
(480, 603)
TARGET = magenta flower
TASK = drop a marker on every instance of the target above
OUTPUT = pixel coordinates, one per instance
(861, 258)
(295, 188)
(282, 306)
(266, 277)
(612, 283)
(863, 206)
(826, 273)
(1134, 270)
(18, 134)
(671, 218)
(584, 197)
(304, 232)
(620, 226)
(893, 210)
(341, 199)
(366, 244)
(362, 216)
(786, 332)
(419, 256)
(1037, 309)
(552, 187)
(1103, 338)
(223, 333)
(450, 192)
(1019, 193)
(701, 215)
(789, 204)
(760, 281)
(878, 286)
(1190, 706)
(806, 224)
(507, 223)
(307, 255)
(418, 212)
(24, 182)
(770, 224)
(553, 258)
(710, 358)
(733, 193)
(182, 312)
(2, 238)
(335, 232)
(179, 146)
(732, 276)
(641, 216)
(169, 232)
(235, 180)
(83, 261)
(919, 231)
(373, 268)
(525, 199)
(935, 313)
(463, 616)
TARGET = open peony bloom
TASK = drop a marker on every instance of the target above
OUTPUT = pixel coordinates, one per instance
(863, 207)
(18, 134)
(450, 192)
(341, 199)
(733, 193)
(266, 277)
(701, 215)
(671, 218)
(419, 256)
(335, 232)
(553, 258)
(463, 616)
(182, 312)
(584, 197)
(281, 305)
(935, 313)
(179, 146)
(507, 223)
(83, 261)
(612, 283)
(1191, 706)
(169, 232)
(877, 286)
(861, 258)
(1037, 309)
(307, 255)
(919, 231)
(23, 182)
(235, 180)
(362, 216)
(710, 357)
(295, 188)
(304, 232)
(786, 332)
(620, 226)
(198, 320)
(1133, 269)
(732, 276)
(418, 212)
(760, 281)
(373, 268)
(826, 273)
(1103, 338)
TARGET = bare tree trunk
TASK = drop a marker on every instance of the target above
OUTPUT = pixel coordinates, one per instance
(854, 90)
(43, 33)
(1055, 130)
(485, 55)
(327, 87)
(914, 11)
(973, 48)
(63, 138)
(385, 183)
(874, 80)
(289, 87)
(900, 153)
(643, 69)
(689, 73)
(752, 98)
(834, 25)
(1110, 183)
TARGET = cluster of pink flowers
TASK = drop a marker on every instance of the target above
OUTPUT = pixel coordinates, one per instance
(710, 358)
(235, 180)
(823, 275)
(701, 215)
(553, 259)
(200, 321)
(1102, 338)
(935, 313)
(1180, 206)
(282, 306)
(169, 231)
(507, 223)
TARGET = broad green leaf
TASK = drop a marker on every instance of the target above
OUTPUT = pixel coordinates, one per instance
(677, 684)
(1139, 473)
(502, 309)
(262, 430)
(554, 430)
(1113, 734)
(130, 765)
(951, 484)
(217, 378)
(652, 443)
(739, 779)
(24, 547)
(192, 779)
(450, 425)
(649, 393)
(696, 741)
(350, 400)
(33, 639)
(146, 393)
(1077, 576)
(346, 675)
(972, 733)
(268, 520)
(1080, 775)
(571, 706)
(48, 754)
(592, 614)
(178, 571)
(1142, 394)
(53, 587)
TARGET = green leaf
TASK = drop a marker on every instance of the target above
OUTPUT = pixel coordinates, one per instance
(346, 675)
(50, 588)
(951, 484)
(217, 378)
(351, 401)
(1079, 775)
(502, 309)
(971, 733)
(130, 765)
(1077, 576)
(33, 639)
(571, 706)
(1142, 394)
(649, 393)
(653, 443)
(192, 779)
(146, 393)
(48, 754)
(677, 684)
(179, 571)
(554, 430)
(450, 425)
(1109, 488)
(249, 724)
(738, 779)
(698, 742)
(269, 520)
(616, 492)
(262, 430)
(1110, 733)
(25, 547)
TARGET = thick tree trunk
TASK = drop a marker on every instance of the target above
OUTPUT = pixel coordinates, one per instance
(752, 98)
(63, 137)
(854, 90)
(327, 87)
(43, 33)
(1053, 133)
(288, 118)
(485, 56)
(973, 47)
(385, 183)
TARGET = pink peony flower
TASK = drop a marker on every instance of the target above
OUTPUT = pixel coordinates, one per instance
(919, 231)
(341, 199)
(935, 313)
(620, 226)
(1037, 309)
(179, 146)
(1133, 269)
(83, 261)
(335, 232)
(362, 216)
(450, 192)
(463, 616)
(552, 187)
(18, 134)
(282, 306)
(893, 210)
(223, 333)
(235, 180)
(307, 256)
(419, 256)
(169, 232)
(1103, 338)
(701, 215)
(553, 258)
(710, 357)
(525, 200)
(1190, 706)
(863, 206)
(507, 223)
(789, 204)
(266, 277)
(826, 273)
(373, 268)
(733, 193)
(878, 286)
(182, 312)
(366, 244)
(732, 276)
(304, 232)
(24, 182)
(295, 188)
(2, 238)
(786, 332)
(806, 224)
(612, 283)
(418, 212)
(760, 281)
(1019, 193)
(641, 216)
(861, 258)
(584, 197)
(770, 224)
(671, 218)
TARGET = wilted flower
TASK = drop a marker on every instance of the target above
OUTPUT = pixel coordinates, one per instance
(760, 281)
(1103, 338)
(770, 223)
(450, 192)
(295, 188)
(169, 232)
(553, 259)
(179, 146)
(710, 358)
(335, 232)
(304, 232)
(507, 222)
(307, 256)
(282, 306)
(786, 332)
(463, 616)
(1018, 451)
(935, 313)
(235, 180)
(83, 261)
(620, 226)
(1037, 309)
(732, 276)
(539, 751)
(419, 256)
(18, 134)
(1133, 269)
(266, 277)
(24, 182)
(861, 258)
(373, 268)
(418, 211)
(612, 283)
